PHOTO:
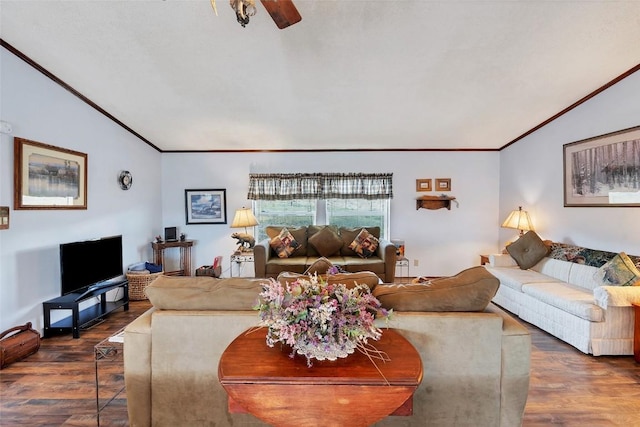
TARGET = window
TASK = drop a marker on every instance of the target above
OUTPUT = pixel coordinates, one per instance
(349, 213)
(354, 213)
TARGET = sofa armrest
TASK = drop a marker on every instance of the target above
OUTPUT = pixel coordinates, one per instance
(137, 369)
(616, 296)
(387, 252)
(502, 260)
(261, 253)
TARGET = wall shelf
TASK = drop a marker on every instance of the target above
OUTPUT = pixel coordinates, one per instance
(434, 202)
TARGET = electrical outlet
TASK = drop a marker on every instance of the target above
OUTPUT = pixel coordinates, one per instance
(415, 263)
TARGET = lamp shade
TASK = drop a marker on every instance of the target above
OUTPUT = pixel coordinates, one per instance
(519, 220)
(244, 218)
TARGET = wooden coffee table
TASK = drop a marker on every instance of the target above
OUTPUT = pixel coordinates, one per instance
(283, 391)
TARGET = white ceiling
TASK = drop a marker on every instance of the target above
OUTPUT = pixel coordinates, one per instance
(353, 74)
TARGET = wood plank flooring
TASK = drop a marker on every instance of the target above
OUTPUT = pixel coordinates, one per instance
(56, 386)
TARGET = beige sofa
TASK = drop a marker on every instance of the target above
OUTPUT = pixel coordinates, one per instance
(333, 245)
(476, 364)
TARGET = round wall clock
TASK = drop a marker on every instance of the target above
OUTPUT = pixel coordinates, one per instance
(125, 180)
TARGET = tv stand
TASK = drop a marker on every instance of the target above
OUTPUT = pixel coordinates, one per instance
(80, 318)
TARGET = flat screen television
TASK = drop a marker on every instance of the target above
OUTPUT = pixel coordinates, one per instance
(90, 264)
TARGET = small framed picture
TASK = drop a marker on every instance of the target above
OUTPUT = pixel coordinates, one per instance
(4, 217)
(206, 206)
(423, 184)
(443, 184)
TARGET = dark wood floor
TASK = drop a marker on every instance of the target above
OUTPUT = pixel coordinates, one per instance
(56, 386)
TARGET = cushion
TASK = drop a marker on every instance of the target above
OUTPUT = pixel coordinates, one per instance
(326, 242)
(528, 250)
(284, 244)
(319, 266)
(348, 235)
(203, 293)
(299, 233)
(348, 279)
(620, 271)
(469, 290)
(365, 244)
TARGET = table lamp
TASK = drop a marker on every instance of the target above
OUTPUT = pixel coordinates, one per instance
(242, 219)
(518, 220)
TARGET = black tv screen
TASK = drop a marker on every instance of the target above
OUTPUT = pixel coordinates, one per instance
(88, 263)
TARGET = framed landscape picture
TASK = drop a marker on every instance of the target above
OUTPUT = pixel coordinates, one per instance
(48, 177)
(206, 206)
(603, 170)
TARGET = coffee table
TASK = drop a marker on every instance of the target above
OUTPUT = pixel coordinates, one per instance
(283, 391)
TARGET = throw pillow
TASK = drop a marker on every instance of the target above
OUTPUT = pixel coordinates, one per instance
(619, 271)
(326, 242)
(319, 266)
(469, 290)
(349, 234)
(365, 244)
(528, 250)
(284, 244)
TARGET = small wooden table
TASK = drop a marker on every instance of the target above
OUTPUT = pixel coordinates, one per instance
(282, 391)
(185, 256)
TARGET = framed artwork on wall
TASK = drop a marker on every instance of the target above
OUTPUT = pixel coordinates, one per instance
(443, 184)
(4, 217)
(48, 177)
(423, 184)
(603, 171)
(206, 206)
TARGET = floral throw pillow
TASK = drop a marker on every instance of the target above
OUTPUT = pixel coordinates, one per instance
(284, 244)
(619, 271)
(365, 244)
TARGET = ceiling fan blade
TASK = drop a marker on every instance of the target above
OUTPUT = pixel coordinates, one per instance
(283, 12)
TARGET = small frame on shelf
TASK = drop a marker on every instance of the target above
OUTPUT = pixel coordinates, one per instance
(48, 177)
(206, 206)
(423, 184)
(443, 184)
(4, 217)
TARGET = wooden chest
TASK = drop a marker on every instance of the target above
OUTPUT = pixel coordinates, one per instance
(24, 342)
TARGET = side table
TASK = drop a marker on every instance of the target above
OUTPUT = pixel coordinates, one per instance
(636, 331)
(241, 260)
(401, 264)
(185, 256)
(109, 364)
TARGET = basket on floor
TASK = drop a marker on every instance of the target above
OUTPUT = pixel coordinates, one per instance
(138, 281)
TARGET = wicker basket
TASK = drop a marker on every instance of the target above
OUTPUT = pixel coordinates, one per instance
(138, 281)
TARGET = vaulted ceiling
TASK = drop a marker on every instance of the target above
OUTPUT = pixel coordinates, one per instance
(353, 74)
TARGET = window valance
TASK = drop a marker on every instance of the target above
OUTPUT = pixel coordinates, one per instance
(290, 186)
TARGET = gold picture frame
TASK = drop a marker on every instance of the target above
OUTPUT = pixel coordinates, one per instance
(423, 184)
(443, 184)
(48, 177)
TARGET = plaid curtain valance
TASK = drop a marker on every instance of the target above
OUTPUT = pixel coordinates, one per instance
(290, 186)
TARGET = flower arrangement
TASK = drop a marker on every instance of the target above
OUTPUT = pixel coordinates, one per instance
(319, 320)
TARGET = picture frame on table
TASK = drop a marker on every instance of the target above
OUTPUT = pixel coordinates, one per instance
(205, 206)
(48, 177)
(603, 171)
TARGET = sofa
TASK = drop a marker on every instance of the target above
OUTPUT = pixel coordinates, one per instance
(333, 243)
(476, 364)
(572, 292)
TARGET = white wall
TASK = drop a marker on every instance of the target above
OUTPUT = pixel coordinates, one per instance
(531, 175)
(40, 110)
(442, 241)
